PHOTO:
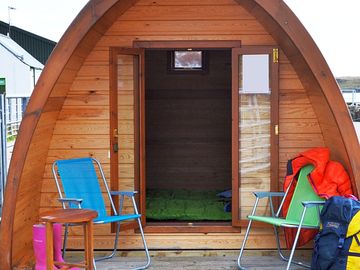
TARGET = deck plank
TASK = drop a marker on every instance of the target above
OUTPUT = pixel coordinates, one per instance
(266, 260)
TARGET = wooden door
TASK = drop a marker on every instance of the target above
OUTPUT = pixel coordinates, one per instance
(254, 127)
(126, 86)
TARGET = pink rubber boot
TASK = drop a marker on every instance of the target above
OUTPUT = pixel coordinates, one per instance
(57, 242)
(57, 229)
(39, 243)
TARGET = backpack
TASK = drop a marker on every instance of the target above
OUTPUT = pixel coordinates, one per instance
(337, 245)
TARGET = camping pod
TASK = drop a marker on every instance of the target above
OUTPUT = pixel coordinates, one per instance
(185, 101)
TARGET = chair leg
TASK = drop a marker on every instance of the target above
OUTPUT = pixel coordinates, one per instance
(289, 260)
(116, 240)
(66, 232)
(243, 246)
(293, 248)
(296, 239)
(148, 259)
(282, 256)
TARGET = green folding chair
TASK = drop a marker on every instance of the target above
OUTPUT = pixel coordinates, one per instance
(303, 213)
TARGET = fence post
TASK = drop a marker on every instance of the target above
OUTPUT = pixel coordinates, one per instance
(3, 150)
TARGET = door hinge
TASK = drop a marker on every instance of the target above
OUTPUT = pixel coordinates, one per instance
(276, 129)
(276, 55)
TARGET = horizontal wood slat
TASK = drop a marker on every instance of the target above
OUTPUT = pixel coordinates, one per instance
(155, 28)
(183, 12)
(127, 40)
(183, 3)
(260, 239)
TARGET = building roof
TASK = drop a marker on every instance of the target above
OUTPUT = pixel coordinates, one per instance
(22, 55)
(39, 47)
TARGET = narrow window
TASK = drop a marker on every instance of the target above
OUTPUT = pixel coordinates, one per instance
(255, 125)
(255, 74)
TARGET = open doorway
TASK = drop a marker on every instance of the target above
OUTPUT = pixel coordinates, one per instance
(188, 135)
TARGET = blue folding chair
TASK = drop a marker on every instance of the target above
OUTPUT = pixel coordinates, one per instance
(80, 188)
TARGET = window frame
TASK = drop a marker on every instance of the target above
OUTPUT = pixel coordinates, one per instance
(274, 124)
(171, 62)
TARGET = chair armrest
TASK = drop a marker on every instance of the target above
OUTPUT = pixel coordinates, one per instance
(73, 200)
(130, 194)
(125, 193)
(261, 195)
(310, 204)
(70, 200)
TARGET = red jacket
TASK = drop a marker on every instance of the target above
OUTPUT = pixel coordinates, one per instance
(328, 178)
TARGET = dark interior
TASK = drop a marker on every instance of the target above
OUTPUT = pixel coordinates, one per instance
(188, 126)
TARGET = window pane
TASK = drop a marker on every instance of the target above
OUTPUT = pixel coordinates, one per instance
(254, 129)
(188, 59)
(127, 84)
(255, 74)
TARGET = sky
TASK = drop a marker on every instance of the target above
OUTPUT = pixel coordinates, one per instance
(333, 24)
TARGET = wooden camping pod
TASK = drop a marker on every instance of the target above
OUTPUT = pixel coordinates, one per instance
(68, 113)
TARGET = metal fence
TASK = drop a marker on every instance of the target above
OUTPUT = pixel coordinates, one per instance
(15, 108)
(11, 115)
(352, 99)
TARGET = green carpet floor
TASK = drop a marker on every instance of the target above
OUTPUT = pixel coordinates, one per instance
(185, 205)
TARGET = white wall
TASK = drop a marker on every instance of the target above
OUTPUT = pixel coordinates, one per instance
(19, 77)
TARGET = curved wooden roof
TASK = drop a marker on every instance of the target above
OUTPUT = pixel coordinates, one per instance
(31, 147)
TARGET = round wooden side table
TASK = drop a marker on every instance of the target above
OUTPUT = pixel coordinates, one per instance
(73, 216)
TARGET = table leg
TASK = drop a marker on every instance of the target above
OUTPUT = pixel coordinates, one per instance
(89, 248)
(49, 246)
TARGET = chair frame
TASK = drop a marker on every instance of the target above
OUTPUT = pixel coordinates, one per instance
(270, 195)
(77, 201)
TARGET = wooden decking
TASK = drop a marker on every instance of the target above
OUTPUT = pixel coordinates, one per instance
(202, 260)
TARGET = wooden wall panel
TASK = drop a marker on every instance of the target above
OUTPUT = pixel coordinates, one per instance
(185, 3)
(127, 41)
(27, 164)
(197, 11)
(186, 27)
(188, 127)
(82, 128)
(262, 240)
(29, 190)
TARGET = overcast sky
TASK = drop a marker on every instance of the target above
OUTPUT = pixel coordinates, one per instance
(334, 25)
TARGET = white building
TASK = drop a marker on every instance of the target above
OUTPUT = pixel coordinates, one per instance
(21, 71)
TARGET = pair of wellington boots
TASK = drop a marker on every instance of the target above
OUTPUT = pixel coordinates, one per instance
(39, 243)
